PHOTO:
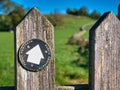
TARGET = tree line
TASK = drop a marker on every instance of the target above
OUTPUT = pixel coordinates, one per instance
(83, 11)
(57, 18)
(11, 15)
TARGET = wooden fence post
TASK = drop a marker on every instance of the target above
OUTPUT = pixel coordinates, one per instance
(104, 65)
(34, 74)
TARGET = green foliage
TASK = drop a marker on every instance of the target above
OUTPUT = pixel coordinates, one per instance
(12, 15)
(7, 6)
(72, 12)
(83, 11)
(5, 23)
(56, 19)
(95, 15)
(16, 15)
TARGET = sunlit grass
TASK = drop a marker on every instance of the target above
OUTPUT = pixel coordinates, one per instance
(66, 71)
(6, 59)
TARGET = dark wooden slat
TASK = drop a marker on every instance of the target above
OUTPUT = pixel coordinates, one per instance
(7, 88)
(119, 11)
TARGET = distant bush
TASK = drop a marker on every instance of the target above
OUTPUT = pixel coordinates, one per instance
(83, 45)
(16, 15)
(5, 23)
(95, 15)
(9, 21)
(12, 14)
(56, 19)
(72, 12)
(83, 11)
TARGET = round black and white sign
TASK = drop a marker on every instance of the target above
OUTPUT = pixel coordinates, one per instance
(34, 55)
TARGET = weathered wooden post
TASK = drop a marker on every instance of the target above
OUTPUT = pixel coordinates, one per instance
(34, 53)
(105, 54)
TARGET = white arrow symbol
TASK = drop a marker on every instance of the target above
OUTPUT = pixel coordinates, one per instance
(35, 55)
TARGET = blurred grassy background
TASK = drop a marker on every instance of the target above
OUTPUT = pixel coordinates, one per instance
(6, 59)
(67, 72)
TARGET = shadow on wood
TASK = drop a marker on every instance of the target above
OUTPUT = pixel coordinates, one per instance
(74, 87)
(81, 87)
(7, 88)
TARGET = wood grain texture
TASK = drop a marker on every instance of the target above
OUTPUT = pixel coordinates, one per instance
(104, 67)
(34, 26)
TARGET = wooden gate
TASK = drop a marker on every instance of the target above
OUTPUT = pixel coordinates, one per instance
(35, 34)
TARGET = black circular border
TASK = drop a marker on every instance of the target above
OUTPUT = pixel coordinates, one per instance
(22, 62)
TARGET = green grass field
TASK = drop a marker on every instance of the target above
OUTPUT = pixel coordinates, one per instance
(67, 72)
(6, 59)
